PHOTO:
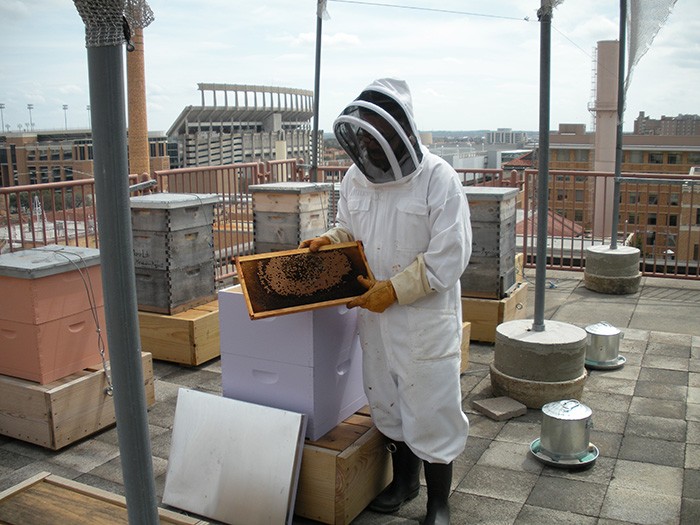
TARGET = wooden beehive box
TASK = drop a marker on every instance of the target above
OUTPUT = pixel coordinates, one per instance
(286, 213)
(189, 338)
(486, 314)
(64, 411)
(293, 281)
(47, 499)
(343, 471)
(491, 270)
(51, 297)
(173, 250)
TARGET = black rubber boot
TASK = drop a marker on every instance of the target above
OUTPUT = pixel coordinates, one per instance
(438, 478)
(405, 484)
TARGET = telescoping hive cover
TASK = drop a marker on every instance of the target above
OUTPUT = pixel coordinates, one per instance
(293, 281)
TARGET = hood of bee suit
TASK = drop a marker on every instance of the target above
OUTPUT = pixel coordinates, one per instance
(378, 132)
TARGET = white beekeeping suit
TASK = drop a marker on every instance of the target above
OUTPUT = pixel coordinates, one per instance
(408, 208)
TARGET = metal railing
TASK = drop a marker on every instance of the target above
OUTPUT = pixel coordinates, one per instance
(658, 215)
(51, 213)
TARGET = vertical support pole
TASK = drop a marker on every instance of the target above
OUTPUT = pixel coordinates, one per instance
(105, 73)
(620, 113)
(317, 83)
(545, 16)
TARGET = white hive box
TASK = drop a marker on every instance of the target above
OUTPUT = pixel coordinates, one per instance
(286, 213)
(173, 250)
(308, 362)
(491, 270)
(50, 297)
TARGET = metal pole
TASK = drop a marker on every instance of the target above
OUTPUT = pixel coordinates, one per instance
(620, 112)
(545, 16)
(105, 73)
(317, 83)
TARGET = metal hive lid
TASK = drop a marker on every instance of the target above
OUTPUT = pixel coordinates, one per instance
(602, 328)
(568, 409)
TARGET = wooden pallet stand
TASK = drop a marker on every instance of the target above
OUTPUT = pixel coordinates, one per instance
(46, 499)
(486, 314)
(188, 338)
(63, 411)
(343, 471)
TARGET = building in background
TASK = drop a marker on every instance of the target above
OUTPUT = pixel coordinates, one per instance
(58, 155)
(680, 125)
(240, 123)
(652, 216)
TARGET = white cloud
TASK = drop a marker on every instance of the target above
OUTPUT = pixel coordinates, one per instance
(465, 71)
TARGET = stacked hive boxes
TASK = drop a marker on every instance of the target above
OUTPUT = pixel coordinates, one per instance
(173, 251)
(50, 304)
(53, 385)
(491, 271)
(308, 362)
(286, 213)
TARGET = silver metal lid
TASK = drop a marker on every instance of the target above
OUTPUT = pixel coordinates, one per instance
(569, 409)
(602, 328)
(43, 261)
(169, 201)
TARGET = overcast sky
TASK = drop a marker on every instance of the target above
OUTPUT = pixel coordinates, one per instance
(475, 69)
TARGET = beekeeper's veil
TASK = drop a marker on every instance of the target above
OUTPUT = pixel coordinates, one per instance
(378, 132)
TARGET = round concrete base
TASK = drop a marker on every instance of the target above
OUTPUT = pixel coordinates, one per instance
(535, 394)
(555, 354)
(612, 271)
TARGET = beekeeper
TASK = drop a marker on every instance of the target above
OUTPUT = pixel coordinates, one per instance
(408, 208)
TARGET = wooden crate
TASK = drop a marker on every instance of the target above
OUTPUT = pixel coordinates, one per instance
(46, 499)
(466, 334)
(189, 338)
(68, 409)
(485, 314)
(343, 471)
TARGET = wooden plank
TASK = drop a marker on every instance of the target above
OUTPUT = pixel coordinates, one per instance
(342, 472)
(278, 283)
(362, 473)
(486, 314)
(189, 338)
(61, 412)
(24, 411)
(46, 499)
(316, 491)
(464, 348)
(289, 202)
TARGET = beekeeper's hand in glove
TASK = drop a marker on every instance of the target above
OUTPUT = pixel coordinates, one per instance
(379, 296)
(315, 244)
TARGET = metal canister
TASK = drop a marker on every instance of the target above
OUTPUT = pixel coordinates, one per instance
(566, 429)
(602, 343)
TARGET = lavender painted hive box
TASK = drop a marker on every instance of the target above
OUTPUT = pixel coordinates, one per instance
(308, 362)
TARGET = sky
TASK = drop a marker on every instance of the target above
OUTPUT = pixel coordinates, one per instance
(476, 67)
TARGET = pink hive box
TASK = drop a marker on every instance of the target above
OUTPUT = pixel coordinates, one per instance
(50, 297)
(308, 362)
